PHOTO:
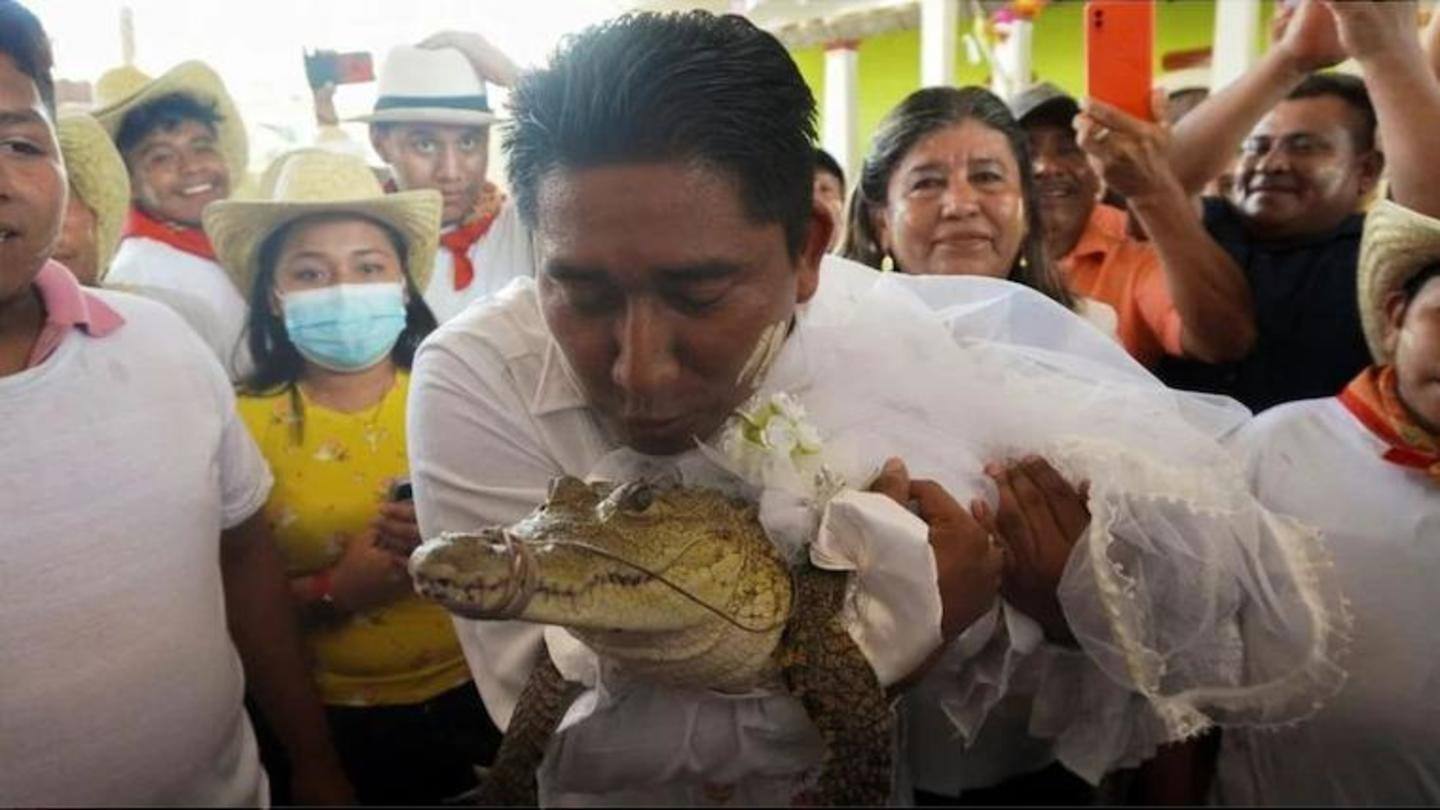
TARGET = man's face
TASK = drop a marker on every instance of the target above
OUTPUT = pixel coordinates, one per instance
(1068, 186)
(32, 183)
(830, 193)
(1300, 172)
(176, 172)
(450, 159)
(76, 248)
(1414, 340)
(664, 296)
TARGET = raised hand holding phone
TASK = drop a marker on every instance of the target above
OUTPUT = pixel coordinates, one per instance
(1119, 54)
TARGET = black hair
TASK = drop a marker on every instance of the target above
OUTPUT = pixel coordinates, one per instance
(917, 116)
(824, 162)
(165, 114)
(23, 39)
(278, 365)
(1352, 91)
(695, 87)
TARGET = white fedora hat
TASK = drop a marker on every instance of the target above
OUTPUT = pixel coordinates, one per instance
(431, 86)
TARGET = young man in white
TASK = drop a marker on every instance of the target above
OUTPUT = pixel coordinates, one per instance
(431, 125)
(138, 576)
(1364, 468)
(184, 145)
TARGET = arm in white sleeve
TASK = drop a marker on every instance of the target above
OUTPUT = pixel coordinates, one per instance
(474, 463)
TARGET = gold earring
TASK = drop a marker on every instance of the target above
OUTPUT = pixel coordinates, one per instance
(887, 264)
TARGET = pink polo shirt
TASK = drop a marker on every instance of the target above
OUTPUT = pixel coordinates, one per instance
(68, 306)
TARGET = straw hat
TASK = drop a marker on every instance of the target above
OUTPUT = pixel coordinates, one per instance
(317, 181)
(117, 84)
(193, 78)
(98, 175)
(1398, 244)
(429, 86)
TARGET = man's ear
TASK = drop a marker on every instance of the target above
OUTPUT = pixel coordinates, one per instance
(1394, 307)
(1372, 165)
(817, 242)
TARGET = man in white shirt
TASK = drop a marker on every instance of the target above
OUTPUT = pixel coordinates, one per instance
(431, 125)
(184, 145)
(138, 575)
(1364, 468)
(666, 165)
(664, 309)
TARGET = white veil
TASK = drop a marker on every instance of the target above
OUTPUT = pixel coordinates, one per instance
(1184, 589)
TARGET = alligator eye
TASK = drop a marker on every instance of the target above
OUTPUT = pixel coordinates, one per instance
(639, 498)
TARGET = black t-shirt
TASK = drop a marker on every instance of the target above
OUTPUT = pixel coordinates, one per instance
(1309, 343)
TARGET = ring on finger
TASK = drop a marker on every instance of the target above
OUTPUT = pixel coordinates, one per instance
(1101, 133)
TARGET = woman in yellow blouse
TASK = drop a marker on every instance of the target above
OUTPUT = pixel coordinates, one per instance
(334, 323)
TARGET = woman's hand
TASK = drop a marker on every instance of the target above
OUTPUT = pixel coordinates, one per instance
(968, 558)
(1040, 519)
(367, 576)
(396, 529)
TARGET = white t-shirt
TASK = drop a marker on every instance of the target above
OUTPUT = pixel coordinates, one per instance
(1378, 742)
(211, 304)
(123, 460)
(503, 253)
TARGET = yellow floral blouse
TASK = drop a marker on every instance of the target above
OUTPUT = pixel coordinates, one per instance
(330, 479)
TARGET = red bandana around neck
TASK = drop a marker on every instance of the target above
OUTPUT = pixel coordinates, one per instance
(181, 237)
(1374, 399)
(458, 242)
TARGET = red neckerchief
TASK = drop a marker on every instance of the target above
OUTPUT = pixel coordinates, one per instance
(1374, 400)
(181, 237)
(458, 242)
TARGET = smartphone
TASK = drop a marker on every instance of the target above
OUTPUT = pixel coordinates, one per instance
(1119, 53)
(402, 491)
(331, 67)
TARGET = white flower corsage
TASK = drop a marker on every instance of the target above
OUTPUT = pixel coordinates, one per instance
(771, 443)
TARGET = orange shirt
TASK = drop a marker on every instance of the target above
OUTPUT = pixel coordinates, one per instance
(1116, 269)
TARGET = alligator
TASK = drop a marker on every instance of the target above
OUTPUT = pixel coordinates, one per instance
(678, 585)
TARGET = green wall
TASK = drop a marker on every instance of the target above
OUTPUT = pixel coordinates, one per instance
(890, 63)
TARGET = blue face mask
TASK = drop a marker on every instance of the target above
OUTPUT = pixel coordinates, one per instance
(347, 327)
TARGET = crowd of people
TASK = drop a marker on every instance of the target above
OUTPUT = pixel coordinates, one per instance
(1131, 428)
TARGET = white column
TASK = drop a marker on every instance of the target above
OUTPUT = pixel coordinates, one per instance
(127, 36)
(1010, 72)
(1237, 25)
(842, 103)
(938, 22)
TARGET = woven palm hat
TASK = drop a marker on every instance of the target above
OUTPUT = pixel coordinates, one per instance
(98, 175)
(117, 84)
(1398, 244)
(317, 181)
(192, 78)
(429, 86)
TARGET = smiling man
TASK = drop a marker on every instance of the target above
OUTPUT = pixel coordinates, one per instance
(1178, 293)
(184, 145)
(431, 126)
(1308, 146)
